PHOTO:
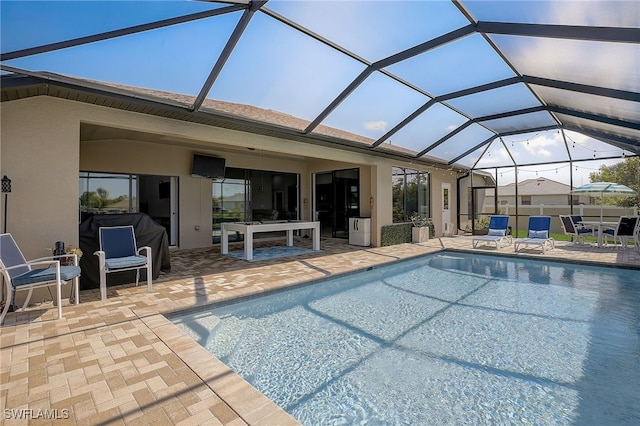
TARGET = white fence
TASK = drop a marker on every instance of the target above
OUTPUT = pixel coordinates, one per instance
(609, 214)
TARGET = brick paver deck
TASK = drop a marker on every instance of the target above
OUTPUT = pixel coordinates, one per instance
(122, 362)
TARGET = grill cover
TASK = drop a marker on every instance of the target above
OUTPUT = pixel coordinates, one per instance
(148, 233)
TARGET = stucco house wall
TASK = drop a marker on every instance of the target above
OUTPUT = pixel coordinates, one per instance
(539, 191)
(42, 153)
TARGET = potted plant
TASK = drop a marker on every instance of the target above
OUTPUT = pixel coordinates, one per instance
(480, 227)
(422, 226)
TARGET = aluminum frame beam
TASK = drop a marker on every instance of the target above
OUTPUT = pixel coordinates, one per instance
(571, 32)
(119, 33)
(242, 24)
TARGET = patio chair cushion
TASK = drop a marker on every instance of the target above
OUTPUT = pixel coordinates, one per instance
(538, 234)
(46, 275)
(497, 232)
(125, 262)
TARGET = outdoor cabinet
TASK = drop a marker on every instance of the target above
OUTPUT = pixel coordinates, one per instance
(360, 231)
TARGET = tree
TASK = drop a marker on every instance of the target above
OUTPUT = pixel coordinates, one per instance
(626, 172)
(98, 199)
(89, 199)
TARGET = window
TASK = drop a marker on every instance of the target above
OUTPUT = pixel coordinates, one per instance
(526, 200)
(410, 193)
(102, 193)
(115, 193)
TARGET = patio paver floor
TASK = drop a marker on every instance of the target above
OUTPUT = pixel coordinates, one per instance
(122, 362)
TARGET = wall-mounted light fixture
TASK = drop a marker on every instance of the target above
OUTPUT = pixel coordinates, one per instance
(6, 188)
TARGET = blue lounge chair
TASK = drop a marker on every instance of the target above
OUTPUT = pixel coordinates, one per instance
(20, 274)
(538, 234)
(119, 252)
(498, 228)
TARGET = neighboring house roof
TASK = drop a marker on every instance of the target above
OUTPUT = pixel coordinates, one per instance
(538, 186)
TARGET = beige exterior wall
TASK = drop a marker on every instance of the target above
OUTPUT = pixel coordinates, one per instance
(438, 177)
(42, 153)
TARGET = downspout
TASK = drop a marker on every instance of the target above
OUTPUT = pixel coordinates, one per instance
(458, 197)
(517, 204)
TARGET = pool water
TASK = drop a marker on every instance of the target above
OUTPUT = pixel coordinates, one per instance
(450, 338)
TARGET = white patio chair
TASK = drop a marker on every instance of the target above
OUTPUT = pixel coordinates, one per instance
(20, 274)
(572, 226)
(626, 231)
(119, 252)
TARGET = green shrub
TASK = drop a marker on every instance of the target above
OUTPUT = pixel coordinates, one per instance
(397, 233)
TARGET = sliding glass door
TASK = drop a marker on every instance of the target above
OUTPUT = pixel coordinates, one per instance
(230, 198)
(337, 198)
(253, 195)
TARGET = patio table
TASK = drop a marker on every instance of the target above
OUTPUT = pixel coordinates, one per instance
(601, 226)
(250, 228)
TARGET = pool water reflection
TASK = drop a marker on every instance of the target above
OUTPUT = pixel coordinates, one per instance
(446, 339)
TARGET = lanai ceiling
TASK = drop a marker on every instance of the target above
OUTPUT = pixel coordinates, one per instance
(452, 81)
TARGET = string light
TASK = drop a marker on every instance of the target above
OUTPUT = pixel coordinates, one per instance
(587, 148)
(538, 172)
(525, 140)
(596, 152)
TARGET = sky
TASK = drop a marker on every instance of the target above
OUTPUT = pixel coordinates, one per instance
(587, 152)
(276, 67)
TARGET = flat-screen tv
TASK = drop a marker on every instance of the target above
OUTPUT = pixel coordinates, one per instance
(207, 166)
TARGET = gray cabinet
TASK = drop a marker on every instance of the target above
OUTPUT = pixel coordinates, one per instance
(360, 231)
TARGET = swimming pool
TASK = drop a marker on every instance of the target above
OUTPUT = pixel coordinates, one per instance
(451, 338)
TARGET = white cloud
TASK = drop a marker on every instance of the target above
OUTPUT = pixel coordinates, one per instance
(538, 146)
(376, 125)
(496, 156)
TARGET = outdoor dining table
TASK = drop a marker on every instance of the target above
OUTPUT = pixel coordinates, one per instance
(250, 228)
(601, 227)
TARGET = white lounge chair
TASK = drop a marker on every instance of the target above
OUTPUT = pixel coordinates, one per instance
(538, 234)
(498, 228)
